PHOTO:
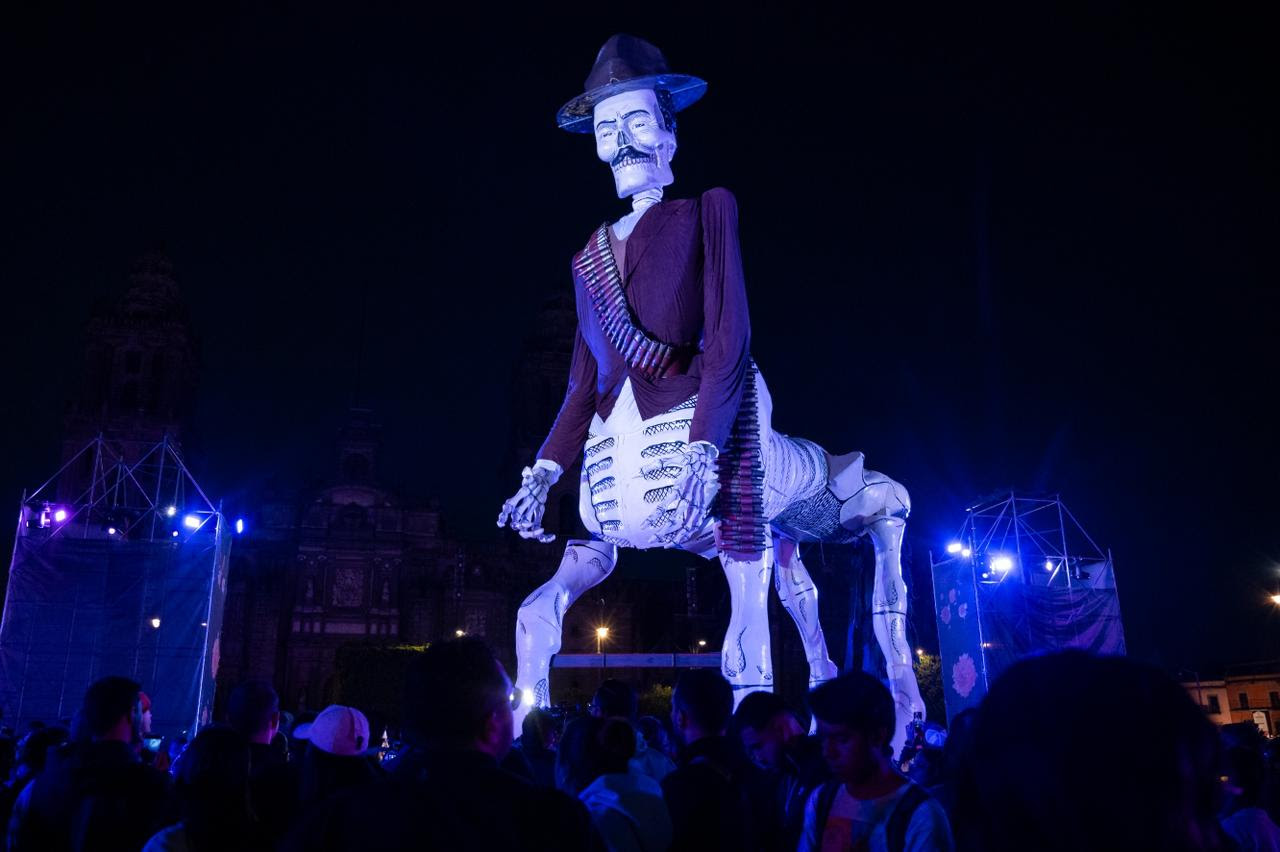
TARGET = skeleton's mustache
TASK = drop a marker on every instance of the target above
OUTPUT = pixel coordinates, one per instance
(629, 156)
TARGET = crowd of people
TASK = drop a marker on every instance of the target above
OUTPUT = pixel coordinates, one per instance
(1040, 765)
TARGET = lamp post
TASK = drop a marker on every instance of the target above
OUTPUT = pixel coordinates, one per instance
(602, 633)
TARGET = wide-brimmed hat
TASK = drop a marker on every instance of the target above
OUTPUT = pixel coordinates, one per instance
(625, 64)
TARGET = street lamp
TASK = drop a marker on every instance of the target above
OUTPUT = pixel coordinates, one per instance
(459, 633)
(1275, 599)
(602, 633)
(702, 643)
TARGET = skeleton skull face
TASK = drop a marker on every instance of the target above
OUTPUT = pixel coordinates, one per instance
(632, 137)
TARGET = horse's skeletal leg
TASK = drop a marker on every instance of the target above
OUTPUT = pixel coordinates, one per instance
(799, 597)
(746, 658)
(541, 617)
(889, 620)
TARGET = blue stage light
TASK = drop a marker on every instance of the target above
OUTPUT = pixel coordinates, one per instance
(171, 511)
(60, 515)
(954, 547)
(239, 525)
(192, 522)
(1001, 564)
(1048, 565)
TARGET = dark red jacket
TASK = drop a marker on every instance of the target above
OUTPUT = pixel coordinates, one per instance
(683, 279)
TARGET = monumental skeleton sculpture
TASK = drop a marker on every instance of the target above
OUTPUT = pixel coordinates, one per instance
(672, 417)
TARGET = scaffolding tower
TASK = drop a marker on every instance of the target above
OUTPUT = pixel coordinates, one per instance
(119, 567)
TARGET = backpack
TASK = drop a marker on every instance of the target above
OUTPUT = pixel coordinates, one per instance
(895, 832)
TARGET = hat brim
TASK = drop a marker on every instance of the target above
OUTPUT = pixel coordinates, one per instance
(575, 116)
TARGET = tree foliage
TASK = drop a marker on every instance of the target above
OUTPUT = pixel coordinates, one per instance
(371, 679)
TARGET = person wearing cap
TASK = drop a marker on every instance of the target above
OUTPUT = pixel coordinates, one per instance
(448, 790)
(672, 418)
(338, 753)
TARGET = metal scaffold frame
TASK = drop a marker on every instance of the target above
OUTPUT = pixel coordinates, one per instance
(148, 499)
(1035, 538)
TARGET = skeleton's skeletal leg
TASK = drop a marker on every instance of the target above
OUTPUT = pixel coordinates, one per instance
(799, 598)
(541, 616)
(746, 658)
(889, 619)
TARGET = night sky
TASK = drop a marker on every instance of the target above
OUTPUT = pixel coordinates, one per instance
(989, 248)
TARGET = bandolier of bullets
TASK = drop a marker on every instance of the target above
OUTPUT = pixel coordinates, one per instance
(603, 283)
(740, 503)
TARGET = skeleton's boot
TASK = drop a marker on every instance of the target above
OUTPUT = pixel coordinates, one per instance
(889, 620)
(541, 618)
(799, 597)
(746, 659)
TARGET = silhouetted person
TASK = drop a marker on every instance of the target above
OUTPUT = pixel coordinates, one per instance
(213, 792)
(718, 799)
(447, 790)
(253, 711)
(594, 763)
(868, 804)
(1043, 770)
(1244, 820)
(658, 735)
(338, 754)
(539, 738)
(96, 794)
(775, 741)
(29, 761)
(615, 698)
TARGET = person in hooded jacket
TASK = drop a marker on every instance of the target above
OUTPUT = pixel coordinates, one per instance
(594, 762)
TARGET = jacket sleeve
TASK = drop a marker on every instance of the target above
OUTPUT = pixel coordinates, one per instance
(726, 330)
(569, 433)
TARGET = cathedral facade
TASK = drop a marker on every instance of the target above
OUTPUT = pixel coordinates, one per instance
(351, 561)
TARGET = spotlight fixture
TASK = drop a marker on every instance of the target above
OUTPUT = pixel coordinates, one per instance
(191, 522)
(1002, 564)
(155, 622)
(60, 515)
(954, 547)
(171, 511)
(239, 526)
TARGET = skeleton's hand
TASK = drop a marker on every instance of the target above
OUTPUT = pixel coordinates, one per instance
(684, 513)
(524, 511)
